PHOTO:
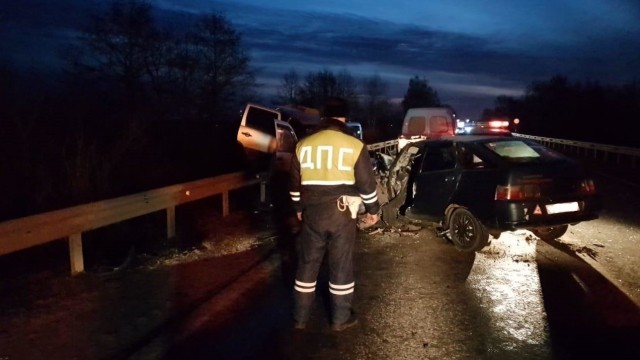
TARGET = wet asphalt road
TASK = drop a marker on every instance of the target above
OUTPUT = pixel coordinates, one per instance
(419, 298)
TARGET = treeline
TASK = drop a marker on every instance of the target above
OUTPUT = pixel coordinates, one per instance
(136, 107)
(583, 111)
(367, 98)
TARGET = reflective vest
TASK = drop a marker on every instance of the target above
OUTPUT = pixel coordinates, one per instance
(328, 158)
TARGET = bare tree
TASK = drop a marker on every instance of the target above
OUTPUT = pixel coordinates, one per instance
(346, 86)
(375, 100)
(120, 54)
(289, 87)
(222, 64)
(120, 46)
(319, 87)
(420, 94)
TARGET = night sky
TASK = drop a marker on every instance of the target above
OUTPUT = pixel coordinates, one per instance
(470, 51)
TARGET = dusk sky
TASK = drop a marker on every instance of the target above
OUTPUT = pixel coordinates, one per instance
(470, 51)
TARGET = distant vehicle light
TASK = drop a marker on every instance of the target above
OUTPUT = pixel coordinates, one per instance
(498, 123)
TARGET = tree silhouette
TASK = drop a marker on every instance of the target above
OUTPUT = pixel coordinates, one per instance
(144, 87)
(222, 65)
(419, 94)
(120, 47)
(319, 87)
(375, 98)
(579, 111)
(288, 92)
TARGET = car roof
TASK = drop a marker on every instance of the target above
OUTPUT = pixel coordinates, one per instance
(472, 138)
(464, 139)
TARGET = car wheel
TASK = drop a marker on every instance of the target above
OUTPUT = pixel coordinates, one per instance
(550, 233)
(466, 232)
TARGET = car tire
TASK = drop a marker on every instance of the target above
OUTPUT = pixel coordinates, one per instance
(550, 233)
(466, 231)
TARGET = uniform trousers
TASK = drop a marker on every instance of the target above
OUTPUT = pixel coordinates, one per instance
(325, 229)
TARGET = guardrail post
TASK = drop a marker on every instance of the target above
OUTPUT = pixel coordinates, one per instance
(263, 191)
(76, 259)
(225, 203)
(171, 222)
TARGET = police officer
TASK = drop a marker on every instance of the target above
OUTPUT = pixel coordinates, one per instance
(330, 173)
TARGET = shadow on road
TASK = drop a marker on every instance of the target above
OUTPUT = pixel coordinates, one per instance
(588, 316)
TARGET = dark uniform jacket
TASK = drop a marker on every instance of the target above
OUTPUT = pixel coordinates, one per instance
(330, 163)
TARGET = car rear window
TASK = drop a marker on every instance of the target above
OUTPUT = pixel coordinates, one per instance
(417, 125)
(439, 124)
(514, 150)
(420, 125)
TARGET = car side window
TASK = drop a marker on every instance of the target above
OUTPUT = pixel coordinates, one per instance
(262, 120)
(438, 158)
(467, 159)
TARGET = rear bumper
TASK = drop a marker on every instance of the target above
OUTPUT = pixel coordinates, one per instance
(529, 215)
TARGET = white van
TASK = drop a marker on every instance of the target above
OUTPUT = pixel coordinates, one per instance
(268, 141)
(258, 136)
(426, 123)
(257, 132)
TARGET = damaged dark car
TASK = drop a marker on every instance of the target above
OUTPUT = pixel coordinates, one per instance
(476, 187)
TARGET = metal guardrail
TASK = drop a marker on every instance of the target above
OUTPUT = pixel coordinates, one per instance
(598, 151)
(71, 222)
(388, 147)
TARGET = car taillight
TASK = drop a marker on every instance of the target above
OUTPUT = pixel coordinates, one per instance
(587, 186)
(517, 192)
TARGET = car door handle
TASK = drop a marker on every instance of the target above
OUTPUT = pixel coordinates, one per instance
(246, 134)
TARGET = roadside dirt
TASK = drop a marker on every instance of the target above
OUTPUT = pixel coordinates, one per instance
(46, 313)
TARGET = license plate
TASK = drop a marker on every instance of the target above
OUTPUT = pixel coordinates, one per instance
(562, 207)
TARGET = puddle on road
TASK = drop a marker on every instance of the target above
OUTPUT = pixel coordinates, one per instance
(505, 280)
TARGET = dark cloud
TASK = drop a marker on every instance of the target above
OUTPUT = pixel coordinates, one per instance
(467, 69)
(464, 68)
